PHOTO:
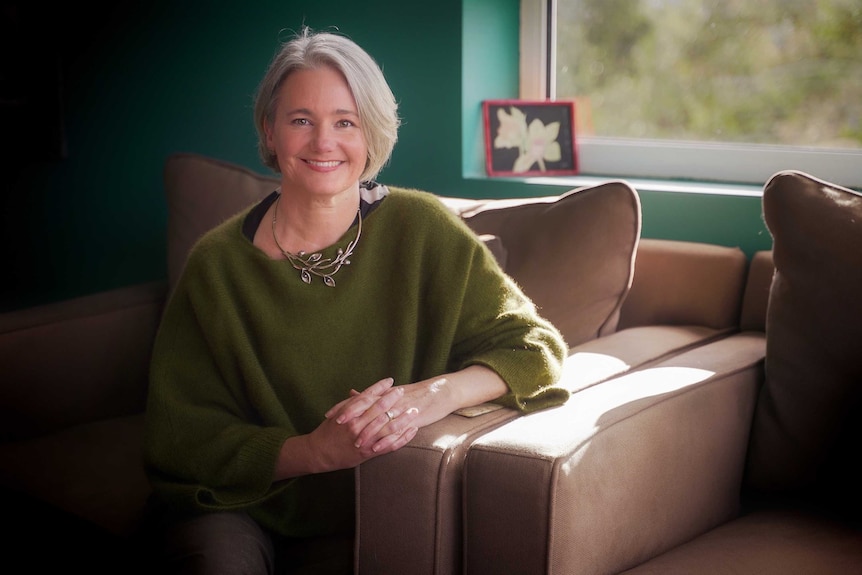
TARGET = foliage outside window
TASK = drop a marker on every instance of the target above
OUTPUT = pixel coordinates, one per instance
(741, 89)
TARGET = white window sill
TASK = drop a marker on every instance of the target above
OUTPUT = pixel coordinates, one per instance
(641, 185)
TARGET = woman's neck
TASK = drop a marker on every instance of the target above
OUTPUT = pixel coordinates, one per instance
(311, 226)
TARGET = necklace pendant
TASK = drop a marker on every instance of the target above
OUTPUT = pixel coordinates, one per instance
(315, 264)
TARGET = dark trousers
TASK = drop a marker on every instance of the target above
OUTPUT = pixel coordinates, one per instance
(232, 543)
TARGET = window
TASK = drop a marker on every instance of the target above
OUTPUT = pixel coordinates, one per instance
(708, 90)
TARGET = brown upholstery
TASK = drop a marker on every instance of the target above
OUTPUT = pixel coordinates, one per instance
(623, 471)
(604, 221)
(73, 390)
(756, 297)
(807, 429)
(429, 470)
(93, 470)
(768, 543)
(640, 464)
(423, 505)
(801, 486)
(573, 254)
(201, 192)
(682, 282)
(66, 358)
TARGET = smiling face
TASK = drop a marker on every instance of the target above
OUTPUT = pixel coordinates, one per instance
(316, 134)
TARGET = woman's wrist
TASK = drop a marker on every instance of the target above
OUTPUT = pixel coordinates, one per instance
(474, 385)
(296, 458)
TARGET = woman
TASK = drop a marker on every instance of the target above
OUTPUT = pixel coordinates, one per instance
(321, 328)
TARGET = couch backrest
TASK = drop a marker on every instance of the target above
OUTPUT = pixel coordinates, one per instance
(685, 283)
(201, 193)
(77, 360)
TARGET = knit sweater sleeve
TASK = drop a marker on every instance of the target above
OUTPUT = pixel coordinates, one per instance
(525, 349)
(498, 326)
(205, 446)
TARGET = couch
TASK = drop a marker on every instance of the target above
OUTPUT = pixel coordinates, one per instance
(712, 428)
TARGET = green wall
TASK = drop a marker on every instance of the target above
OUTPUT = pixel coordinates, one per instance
(150, 79)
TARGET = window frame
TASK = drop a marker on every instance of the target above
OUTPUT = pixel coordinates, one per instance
(669, 160)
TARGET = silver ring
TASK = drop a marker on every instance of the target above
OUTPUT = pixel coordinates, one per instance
(390, 415)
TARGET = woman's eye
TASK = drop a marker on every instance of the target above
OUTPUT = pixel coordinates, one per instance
(345, 124)
(299, 122)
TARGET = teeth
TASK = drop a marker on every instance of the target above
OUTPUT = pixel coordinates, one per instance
(331, 164)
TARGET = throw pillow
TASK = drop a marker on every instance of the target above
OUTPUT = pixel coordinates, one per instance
(498, 250)
(806, 431)
(572, 254)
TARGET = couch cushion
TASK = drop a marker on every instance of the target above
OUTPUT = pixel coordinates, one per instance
(573, 254)
(806, 431)
(202, 192)
(94, 471)
(766, 542)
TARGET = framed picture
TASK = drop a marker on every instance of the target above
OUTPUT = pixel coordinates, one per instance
(526, 138)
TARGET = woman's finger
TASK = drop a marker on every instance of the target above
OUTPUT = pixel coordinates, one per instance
(379, 387)
(383, 416)
(358, 406)
(394, 441)
(368, 396)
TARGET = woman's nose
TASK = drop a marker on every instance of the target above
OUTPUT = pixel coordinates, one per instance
(324, 138)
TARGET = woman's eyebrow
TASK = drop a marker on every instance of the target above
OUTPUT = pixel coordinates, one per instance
(337, 112)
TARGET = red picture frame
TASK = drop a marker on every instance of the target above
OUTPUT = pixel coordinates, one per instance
(530, 138)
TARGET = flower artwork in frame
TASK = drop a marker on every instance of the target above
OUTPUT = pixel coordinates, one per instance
(524, 138)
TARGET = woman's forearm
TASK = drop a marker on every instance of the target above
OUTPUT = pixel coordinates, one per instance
(473, 385)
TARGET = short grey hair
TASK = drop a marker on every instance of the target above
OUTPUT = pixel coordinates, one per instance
(377, 108)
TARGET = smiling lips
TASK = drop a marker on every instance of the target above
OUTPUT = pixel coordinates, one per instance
(329, 164)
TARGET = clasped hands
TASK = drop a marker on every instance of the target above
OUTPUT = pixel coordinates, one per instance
(381, 419)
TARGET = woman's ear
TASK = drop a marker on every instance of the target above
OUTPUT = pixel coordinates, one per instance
(267, 130)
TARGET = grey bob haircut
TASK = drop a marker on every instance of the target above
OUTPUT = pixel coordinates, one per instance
(376, 105)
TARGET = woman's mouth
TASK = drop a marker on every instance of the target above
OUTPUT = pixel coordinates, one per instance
(327, 164)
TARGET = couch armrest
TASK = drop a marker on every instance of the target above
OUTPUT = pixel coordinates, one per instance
(685, 283)
(78, 360)
(622, 472)
(414, 494)
(417, 491)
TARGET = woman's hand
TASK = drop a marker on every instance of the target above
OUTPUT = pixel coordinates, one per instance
(414, 405)
(355, 430)
(369, 415)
